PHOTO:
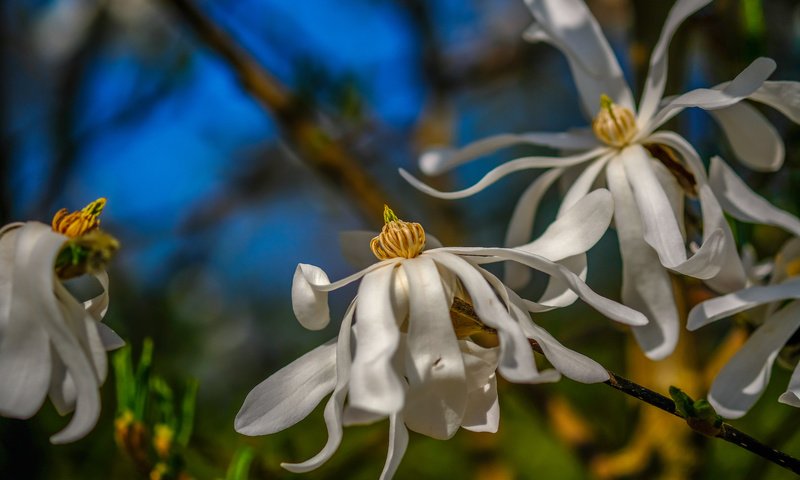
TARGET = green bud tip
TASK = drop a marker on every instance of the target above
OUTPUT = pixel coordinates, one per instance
(388, 214)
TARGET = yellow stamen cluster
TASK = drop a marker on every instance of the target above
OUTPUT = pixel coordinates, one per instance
(398, 239)
(78, 223)
(614, 125)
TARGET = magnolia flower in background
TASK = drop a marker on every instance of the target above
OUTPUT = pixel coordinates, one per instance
(743, 379)
(50, 343)
(415, 361)
(650, 172)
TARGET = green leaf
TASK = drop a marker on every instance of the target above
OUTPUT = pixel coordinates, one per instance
(240, 464)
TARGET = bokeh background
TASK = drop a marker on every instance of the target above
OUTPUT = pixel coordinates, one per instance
(237, 138)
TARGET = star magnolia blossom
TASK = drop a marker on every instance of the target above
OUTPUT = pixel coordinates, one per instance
(648, 171)
(49, 341)
(414, 360)
(742, 381)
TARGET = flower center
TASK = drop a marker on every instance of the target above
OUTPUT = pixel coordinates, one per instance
(398, 239)
(614, 125)
(76, 224)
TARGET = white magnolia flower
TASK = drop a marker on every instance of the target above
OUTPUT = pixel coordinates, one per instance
(649, 171)
(743, 379)
(50, 343)
(414, 361)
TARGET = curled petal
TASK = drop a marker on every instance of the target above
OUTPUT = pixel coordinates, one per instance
(743, 379)
(755, 142)
(782, 96)
(398, 442)
(732, 303)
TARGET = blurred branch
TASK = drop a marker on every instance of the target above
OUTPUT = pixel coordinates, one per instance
(699, 424)
(300, 125)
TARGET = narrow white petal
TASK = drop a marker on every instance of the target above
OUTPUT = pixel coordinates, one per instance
(732, 303)
(290, 394)
(577, 230)
(755, 142)
(516, 358)
(558, 292)
(374, 383)
(519, 164)
(744, 85)
(570, 26)
(581, 186)
(436, 396)
(792, 394)
(674, 192)
(646, 286)
(521, 225)
(110, 339)
(25, 364)
(84, 328)
(8, 242)
(98, 306)
(743, 379)
(62, 388)
(37, 247)
(438, 160)
(657, 75)
(782, 96)
(743, 203)
(609, 308)
(483, 408)
(398, 442)
(334, 407)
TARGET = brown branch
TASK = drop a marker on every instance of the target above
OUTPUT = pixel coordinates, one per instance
(462, 312)
(324, 153)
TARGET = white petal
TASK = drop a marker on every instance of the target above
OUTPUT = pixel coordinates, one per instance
(744, 378)
(609, 308)
(98, 306)
(84, 328)
(8, 241)
(355, 416)
(62, 388)
(310, 287)
(519, 164)
(674, 192)
(716, 231)
(483, 409)
(558, 293)
(732, 303)
(755, 142)
(437, 390)
(398, 441)
(438, 160)
(577, 230)
(37, 247)
(570, 363)
(516, 358)
(583, 183)
(110, 339)
(290, 394)
(571, 27)
(747, 82)
(521, 225)
(792, 394)
(657, 75)
(333, 409)
(374, 383)
(646, 286)
(743, 203)
(782, 96)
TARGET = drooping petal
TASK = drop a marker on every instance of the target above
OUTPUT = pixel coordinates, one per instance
(657, 75)
(482, 413)
(661, 228)
(290, 394)
(743, 379)
(519, 164)
(783, 96)
(743, 86)
(743, 203)
(732, 303)
(398, 442)
(792, 394)
(98, 306)
(438, 160)
(577, 230)
(8, 241)
(673, 191)
(516, 358)
(436, 396)
(521, 224)
(646, 286)
(334, 407)
(755, 142)
(84, 328)
(110, 339)
(558, 293)
(37, 247)
(374, 383)
(569, 26)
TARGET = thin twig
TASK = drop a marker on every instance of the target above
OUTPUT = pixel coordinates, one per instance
(462, 311)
